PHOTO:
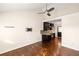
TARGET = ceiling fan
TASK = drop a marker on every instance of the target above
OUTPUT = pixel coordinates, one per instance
(47, 11)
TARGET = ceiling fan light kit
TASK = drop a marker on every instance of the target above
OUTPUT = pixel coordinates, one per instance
(48, 14)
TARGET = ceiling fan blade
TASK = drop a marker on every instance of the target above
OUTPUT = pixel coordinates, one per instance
(50, 9)
(42, 12)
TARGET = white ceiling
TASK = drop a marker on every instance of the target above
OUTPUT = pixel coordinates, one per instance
(36, 6)
(21, 6)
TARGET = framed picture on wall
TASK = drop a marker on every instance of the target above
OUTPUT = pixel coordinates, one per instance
(29, 29)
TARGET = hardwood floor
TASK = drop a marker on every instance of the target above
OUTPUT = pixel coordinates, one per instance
(52, 48)
(68, 52)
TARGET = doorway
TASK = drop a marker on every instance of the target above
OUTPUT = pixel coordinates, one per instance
(57, 29)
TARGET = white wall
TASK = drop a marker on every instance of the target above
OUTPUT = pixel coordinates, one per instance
(70, 29)
(12, 38)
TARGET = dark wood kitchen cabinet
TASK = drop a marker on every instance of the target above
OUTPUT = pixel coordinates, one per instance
(45, 26)
(46, 38)
(46, 35)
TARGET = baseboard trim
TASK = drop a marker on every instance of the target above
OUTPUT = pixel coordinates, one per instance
(70, 47)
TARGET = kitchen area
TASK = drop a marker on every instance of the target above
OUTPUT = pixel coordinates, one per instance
(51, 29)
